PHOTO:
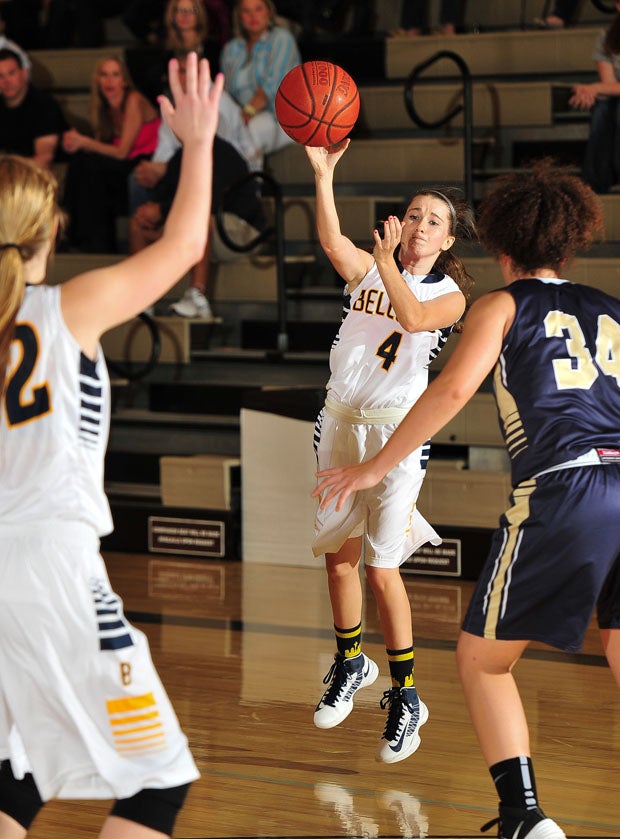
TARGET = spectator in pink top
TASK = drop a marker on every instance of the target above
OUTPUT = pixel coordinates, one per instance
(125, 126)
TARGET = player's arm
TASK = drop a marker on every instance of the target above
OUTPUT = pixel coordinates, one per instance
(350, 262)
(95, 301)
(477, 352)
(412, 314)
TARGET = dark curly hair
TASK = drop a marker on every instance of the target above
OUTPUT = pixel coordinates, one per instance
(539, 217)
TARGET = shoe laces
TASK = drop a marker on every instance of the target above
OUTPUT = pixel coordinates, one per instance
(533, 817)
(496, 821)
(338, 675)
(393, 700)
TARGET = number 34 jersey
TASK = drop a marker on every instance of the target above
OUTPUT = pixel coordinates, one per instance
(55, 423)
(557, 380)
(374, 362)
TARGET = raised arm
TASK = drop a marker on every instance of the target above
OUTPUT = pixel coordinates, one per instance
(351, 263)
(477, 352)
(95, 301)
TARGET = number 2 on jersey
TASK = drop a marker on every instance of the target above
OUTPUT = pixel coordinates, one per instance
(388, 350)
(24, 401)
(580, 370)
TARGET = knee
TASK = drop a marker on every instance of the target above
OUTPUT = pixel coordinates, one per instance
(156, 809)
(338, 570)
(382, 579)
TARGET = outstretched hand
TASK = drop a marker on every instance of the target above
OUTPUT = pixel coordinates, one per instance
(324, 159)
(339, 482)
(193, 116)
(384, 247)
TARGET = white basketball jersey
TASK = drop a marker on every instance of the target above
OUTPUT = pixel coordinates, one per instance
(55, 422)
(374, 362)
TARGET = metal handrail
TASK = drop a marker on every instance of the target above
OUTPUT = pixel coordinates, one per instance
(276, 231)
(606, 8)
(127, 371)
(465, 107)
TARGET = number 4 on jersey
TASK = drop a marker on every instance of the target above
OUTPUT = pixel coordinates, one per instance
(388, 350)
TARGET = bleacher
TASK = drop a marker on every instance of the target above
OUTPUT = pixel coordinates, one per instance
(189, 403)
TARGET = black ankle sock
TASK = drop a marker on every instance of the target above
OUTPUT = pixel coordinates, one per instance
(349, 641)
(515, 783)
(401, 667)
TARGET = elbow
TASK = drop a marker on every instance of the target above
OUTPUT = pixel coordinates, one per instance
(193, 249)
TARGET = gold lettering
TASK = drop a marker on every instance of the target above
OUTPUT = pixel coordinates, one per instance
(370, 301)
(360, 303)
(125, 672)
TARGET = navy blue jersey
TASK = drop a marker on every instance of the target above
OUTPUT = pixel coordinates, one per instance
(557, 380)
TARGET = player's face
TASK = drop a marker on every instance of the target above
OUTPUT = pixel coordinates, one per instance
(110, 79)
(426, 227)
(13, 81)
(254, 16)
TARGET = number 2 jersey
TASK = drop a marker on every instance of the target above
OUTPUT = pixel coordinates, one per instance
(557, 380)
(374, 362)
(55, 423)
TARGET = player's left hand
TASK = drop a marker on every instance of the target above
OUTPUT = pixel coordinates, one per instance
(340, 481)
(385, 246)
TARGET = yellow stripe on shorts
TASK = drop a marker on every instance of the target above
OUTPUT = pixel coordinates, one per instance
(136, 715)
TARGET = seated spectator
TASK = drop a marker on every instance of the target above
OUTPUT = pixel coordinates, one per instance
(146, 20)
(186, 29)
(242, 212)
(254, 63)
(125, 127)
(601, 166)
(31, 121)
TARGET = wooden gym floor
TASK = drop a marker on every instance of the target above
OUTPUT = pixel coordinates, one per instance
(242, 649)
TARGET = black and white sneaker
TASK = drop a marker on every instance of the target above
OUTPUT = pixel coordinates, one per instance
(406, 713)
(345, 677)
(514, 823)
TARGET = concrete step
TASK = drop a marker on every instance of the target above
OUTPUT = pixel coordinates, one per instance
(495, 104)
(378, 161)
(553, 53)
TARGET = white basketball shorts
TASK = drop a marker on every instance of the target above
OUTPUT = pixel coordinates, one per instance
(81, 705)
(386, 515)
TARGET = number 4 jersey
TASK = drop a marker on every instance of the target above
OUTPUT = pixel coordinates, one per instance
(374, 362)
(557, 380)
(55, 423)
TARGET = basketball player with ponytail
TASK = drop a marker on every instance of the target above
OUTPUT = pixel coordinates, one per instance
(82, 711)
(402, 300)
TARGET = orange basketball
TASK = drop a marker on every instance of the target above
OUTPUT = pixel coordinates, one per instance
(317, 103)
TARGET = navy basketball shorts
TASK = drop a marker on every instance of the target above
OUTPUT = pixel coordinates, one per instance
(554, 558)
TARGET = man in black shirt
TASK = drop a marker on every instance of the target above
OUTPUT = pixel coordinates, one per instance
(31, 121)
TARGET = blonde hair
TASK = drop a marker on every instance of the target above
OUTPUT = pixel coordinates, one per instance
(28, 214)
(100, 116)
(173, 36)
(236, 18)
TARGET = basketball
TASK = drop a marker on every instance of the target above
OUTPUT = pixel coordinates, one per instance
(317, 103)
